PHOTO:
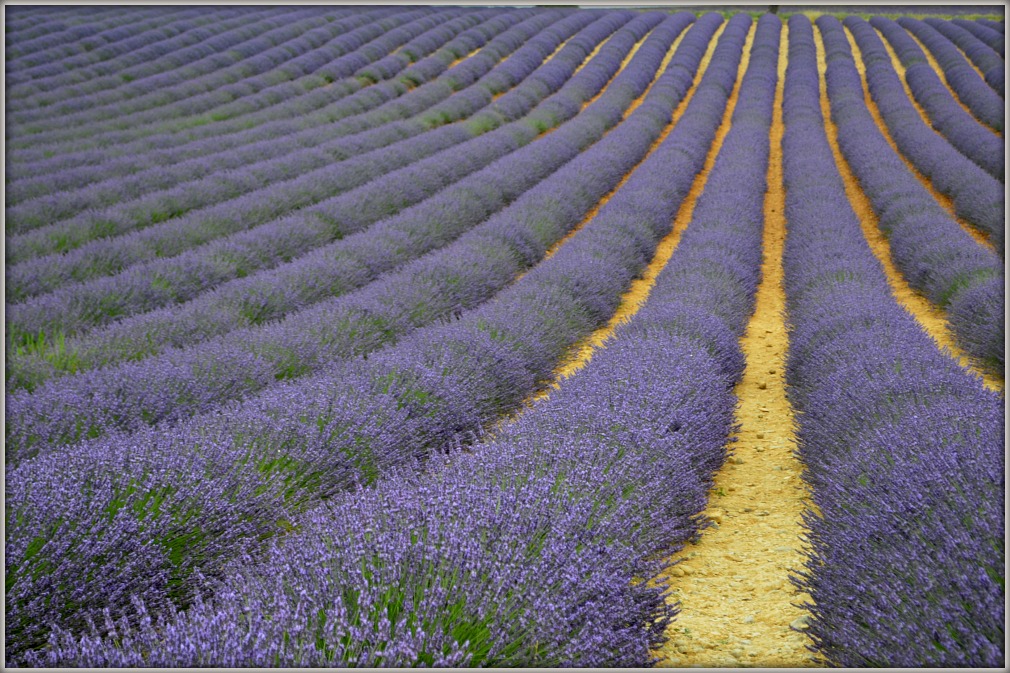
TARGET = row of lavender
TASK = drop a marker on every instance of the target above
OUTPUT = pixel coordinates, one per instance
(902, 448)
(970, 137)
(373, 164)
(263, 47)
(977, 196)
(185, 381)
(421, 59)
(327, 271)
(935, 255)
(271, 191)
(37, 213)
(272, 95)
(531, 549)
(497, 37)
(217, 126)
(388, 180)
(168, 205)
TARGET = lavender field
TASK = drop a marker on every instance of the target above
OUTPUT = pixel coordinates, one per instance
(551, 337)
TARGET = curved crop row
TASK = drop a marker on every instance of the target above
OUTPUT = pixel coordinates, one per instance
(61, 37)
(201, 58)
(312, 71)
(936, 256)
(946, 116)
(983, 56)
(993, 38)
(332, 269)
(183, 277)
(977, 196)
(619, 459)
(431, 289)
(55, 177)
(106, 256)
(983, 102)
(898, 441)
(419, 387)
(385, 100)
(32, 85)
(998, 26)
(205, 188)
(288, 43)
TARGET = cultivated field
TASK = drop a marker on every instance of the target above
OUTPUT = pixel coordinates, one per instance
(505, 337)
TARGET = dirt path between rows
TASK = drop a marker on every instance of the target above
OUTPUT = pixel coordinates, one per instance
(738, 607)
(930, 317)
(948, 203)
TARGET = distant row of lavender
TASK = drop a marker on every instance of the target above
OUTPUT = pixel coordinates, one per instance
(348, 263)
(365, 89)
(935, 255)
(290, 38)
(151, 59)
(293, 78)
(305, 170)
(150, 237)
(982, 55)
(183, 382)
(560, 507)
(989, 35)
(971, 138)
(978, 197)
(983, 102)
(902, 447)
(185, 276)
(998, 26)
(495, 37)
(45, 214)
(65, 36)
(116, 49)
(400, 404)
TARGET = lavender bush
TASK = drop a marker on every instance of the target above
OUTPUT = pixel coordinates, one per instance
(998, 26)
(978, 197)
(178, 279)
(992, 37)
(983, 56)
(125, 46)
(573, 483)
(46, 214)
(428, 290)
(936, 256)
(60, 176)
(297, 171)
(901, 446)
(353, 261)
(967, 135)
(360, 93)
(285, 40)
(983, 102)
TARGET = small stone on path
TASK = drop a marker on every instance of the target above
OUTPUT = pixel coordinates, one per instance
(800, 622)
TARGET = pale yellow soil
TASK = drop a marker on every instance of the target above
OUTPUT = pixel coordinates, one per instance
(737, 603)
(943, 78)
(929, 317)
(944, 200)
